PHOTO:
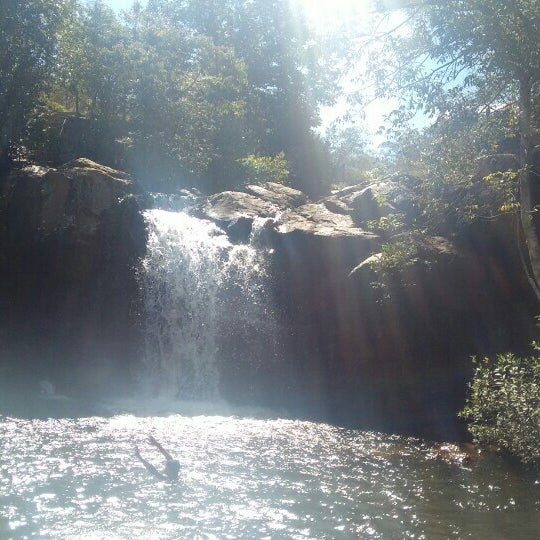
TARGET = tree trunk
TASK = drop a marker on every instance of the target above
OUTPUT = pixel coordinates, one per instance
(529, 186)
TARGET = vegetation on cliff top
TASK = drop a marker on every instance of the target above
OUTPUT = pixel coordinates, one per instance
(176, 93)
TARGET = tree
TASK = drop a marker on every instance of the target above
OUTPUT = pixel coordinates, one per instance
(184, 94)
(28, 38)
(351, 160)
(159, 100)
(444, 163)
(479, 56)
(260, 169)
(287, 77)
(73, 66)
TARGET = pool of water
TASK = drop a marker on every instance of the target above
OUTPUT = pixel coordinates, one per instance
(248, 478)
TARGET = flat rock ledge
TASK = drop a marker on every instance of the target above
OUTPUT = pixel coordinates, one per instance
(318, 220)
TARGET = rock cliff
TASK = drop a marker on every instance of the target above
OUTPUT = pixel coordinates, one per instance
(69, 242)
(357, 346)
(386, 352)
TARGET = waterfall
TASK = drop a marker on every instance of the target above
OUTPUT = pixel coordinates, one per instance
(197, 289)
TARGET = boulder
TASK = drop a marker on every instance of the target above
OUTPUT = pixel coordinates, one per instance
(76, 195)
(230, 205)
(232, 209)
(282, 196)
(337, 205)
(370, 202)
(235, 212)
(316, 219)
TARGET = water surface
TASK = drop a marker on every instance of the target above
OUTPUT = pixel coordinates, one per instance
(248, 478)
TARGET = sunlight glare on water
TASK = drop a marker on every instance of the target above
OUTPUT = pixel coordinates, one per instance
(248, 478)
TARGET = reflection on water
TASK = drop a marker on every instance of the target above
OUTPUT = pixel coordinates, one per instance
(248, 478)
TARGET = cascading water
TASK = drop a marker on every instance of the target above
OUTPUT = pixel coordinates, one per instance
(197, 287)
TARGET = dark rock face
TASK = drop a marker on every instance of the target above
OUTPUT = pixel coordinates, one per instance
(396, 358)
(70, 239)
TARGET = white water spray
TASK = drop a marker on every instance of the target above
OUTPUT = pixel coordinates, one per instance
(196, 287)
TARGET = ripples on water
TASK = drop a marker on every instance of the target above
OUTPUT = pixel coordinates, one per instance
(247, 478)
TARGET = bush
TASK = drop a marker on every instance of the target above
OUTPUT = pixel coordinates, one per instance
(503, 407)
(260, 169)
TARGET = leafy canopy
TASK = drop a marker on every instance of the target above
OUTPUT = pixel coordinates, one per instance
(28, 38)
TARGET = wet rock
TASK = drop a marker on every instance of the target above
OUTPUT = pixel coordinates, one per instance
(454, 454)
(239, 230)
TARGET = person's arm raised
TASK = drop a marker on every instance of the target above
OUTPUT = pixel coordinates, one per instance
(168, 456)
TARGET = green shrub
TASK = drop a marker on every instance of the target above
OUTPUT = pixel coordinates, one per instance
(260, 169)
(503, 406)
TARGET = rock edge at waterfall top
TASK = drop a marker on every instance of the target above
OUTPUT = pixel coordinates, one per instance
(291, 210)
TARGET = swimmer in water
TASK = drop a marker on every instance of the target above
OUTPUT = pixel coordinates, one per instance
(172, 466)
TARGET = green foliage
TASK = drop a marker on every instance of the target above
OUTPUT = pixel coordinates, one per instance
(391, 265)
(478, 53)
(179, 92)
(28, 32)
(458, 64)
(287, 76)
(505, 184)
(389, 224)
(503, 407)
(259, 169)
(351, 161)
(42, 141)
(445, 159)
(472, 67)
(398, 255)
(186, 103)
(173, 101)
